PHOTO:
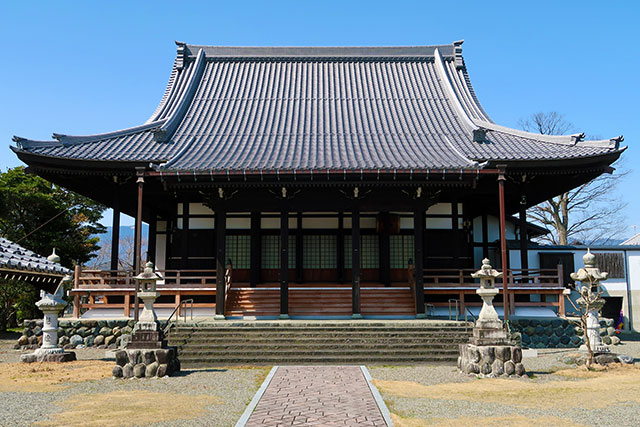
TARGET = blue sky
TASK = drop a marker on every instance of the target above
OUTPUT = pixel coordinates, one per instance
(86, 67)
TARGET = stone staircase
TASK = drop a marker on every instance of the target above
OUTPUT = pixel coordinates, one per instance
(318, 342)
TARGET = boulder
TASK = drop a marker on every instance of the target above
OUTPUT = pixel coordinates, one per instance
(606, 358)
(112, 323)
(116, 331)
(37, 331)
(474, 355)
(76, 324)
(503, 353)
(139, 370)
(117, 371)
(109, 340)
(106, 331)
(162, 356)
(530, 331)
(83, 331)
(497, 367)
(509, 368)
(127, 371)
(161, 371)
(565, 339)
(603, 332)
(485, 369)
(520, 369)
(88, 341)
(516, 354)
(126, 330)
(623, 358)
(615, 340)
(606, 340)
(64, 324)
(611, 331)
(134, 356)
(68, 346)
(148, 357)
(99, 340)
(76, 340)
(23, 340)
(151, 370)
(62, 341)
(131, 323)
(487, 354)
(124, 340)
(102, 323)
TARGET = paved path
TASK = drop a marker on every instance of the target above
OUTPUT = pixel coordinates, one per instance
(317, 396)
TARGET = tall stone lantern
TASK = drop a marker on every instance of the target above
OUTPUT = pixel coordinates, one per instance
(489, 351)
(590, 276)
(51, 305)
(146, 332)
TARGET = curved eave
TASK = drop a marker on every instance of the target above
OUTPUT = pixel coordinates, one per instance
(604, 159)
(43, 160)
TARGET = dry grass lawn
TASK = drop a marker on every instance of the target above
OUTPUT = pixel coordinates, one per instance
(598, 389)
(126, 408)
(505, 421)
(45, 377)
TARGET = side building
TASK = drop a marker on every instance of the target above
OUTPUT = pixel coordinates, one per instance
(338, 181)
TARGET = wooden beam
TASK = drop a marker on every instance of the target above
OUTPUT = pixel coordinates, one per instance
(355, 261)
(418, 233)
(284, 262)
(137, 267)
(503, 241)
(340, 248)
(221, 228)
(385, 249)
(524, 258)
(254, 275)
(299, 251)
(115, 233)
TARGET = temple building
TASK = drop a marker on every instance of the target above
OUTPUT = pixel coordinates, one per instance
(321, 181)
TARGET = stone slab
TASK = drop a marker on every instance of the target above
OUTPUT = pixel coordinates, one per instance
(317, 396)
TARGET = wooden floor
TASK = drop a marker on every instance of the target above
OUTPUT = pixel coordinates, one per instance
(326, 299)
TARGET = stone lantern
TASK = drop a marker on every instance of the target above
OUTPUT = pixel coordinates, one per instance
(590, 276)
(489, 351)
(146, 332)
(147, 279)
(51, 305)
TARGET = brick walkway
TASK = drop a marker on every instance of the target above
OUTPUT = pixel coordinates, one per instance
(317, 396)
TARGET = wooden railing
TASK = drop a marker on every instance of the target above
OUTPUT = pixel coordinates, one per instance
(120, 279)
(516, 278)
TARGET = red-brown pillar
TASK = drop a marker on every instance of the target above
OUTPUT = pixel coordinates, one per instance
(137, 245)
(503, 242)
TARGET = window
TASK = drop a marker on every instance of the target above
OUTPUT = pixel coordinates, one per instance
(238, 250)
(369, 251)
(271, 251)
(402, 250)
(319, 251)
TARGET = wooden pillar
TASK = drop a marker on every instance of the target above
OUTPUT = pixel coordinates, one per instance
(485, 236)
(455, 215)
(221, 232)
(137, 245)
(184, 250)
(151, 249)
(524, 258)
(284, 262)
(340, 248)
(355, 262)
(299, 250)
(254, 275)
(503, 242)
(418, 233)
(76, 285)
(385, 249)
(115, 233)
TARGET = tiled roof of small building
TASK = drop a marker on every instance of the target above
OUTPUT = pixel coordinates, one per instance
(635, 240)
(16, 258)
(295, 108)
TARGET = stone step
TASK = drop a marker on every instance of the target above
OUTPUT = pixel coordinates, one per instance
(301, 347)
(322, 340)
(198, 362)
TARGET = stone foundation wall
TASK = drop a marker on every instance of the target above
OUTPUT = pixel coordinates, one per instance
(558, 333)
(491, 360)
(107, 334)
(146, 363)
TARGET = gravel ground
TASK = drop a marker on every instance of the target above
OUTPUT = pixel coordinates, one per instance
(234, 387)
(540, 368)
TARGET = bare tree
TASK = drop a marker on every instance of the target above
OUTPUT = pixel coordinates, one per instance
(590, 213)
(125, 253)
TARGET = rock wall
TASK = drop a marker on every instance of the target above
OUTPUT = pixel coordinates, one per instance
(107, 334)
(558, 333)
(146, 363)
(491, 360)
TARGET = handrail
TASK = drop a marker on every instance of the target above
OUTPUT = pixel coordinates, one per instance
(175, 310)
(228, 280)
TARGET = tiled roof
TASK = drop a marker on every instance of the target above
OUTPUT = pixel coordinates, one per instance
(635, 240)
(15, 257)
(277, 108)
